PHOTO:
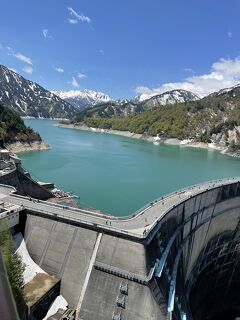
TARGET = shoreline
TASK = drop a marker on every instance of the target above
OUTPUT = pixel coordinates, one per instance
(34, 118)
(169, 141)
(18, 147)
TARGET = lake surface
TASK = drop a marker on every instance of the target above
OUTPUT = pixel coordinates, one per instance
(118, 174)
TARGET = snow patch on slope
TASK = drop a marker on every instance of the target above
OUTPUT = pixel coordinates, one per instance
(84, 98)
(31, 268)
(170, 97)
(59, 303)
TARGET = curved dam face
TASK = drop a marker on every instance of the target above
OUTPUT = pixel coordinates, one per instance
(178, 258)
(196, 251)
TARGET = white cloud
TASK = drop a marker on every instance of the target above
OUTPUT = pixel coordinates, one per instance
(74, 82)
(223, 74)
(81, 75)
(46, 34)
(230, 34)
(72, 21)
(59, 70)
(9, 49)
(23, 58)
(76, 18)
(101, 51)
(28, 69)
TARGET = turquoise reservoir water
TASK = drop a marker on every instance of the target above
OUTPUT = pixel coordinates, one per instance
(118, 174)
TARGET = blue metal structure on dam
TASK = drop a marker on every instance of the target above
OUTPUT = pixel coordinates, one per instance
(177, 258)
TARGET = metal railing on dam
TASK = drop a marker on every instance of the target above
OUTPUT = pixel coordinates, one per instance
(170, 246)
(133, 226)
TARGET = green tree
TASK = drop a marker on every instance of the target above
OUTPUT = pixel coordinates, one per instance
(13, 263)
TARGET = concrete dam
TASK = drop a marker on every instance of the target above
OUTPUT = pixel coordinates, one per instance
(177, 258)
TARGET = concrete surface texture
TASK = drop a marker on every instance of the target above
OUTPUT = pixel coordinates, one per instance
(62, 250)
(185, 258)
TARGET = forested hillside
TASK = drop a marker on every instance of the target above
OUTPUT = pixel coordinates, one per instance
(12, 127)
(214, 118)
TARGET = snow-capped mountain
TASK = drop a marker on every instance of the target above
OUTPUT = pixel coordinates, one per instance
(83, 99)
(170, 97)
(28, 98)
(126, 108)
(232, 90)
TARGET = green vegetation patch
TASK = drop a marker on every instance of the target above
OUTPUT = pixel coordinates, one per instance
(13, 263)
(12, 128)
(198, 120)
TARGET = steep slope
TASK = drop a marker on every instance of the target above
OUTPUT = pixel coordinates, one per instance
(83, 99)
(28, 98)
(132, 107)
(215, 118)
(13, 129)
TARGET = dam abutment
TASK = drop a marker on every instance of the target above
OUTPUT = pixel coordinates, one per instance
(179, 266)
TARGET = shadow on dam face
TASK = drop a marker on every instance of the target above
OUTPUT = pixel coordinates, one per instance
(215, 291)
(197, 252)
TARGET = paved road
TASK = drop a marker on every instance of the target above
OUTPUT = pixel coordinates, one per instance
(143, 220)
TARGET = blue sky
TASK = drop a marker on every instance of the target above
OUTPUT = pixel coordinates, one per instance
(123, 48)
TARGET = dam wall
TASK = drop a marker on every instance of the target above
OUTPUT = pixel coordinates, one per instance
(185, 266)
(93, 267)
(199, 239)
(25, 185)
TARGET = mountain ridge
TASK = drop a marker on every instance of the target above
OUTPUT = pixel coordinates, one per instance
(132, 107)
(170, 96)
(213, 119)
(28, 98)
(83, 98)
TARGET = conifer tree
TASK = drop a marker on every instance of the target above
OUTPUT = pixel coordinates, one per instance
(13, 263)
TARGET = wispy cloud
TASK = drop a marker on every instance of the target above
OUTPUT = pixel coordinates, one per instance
(28, 69)
(230, 34)
(59, 70)
(74, 82)
(9, 49)
(223, 74)
(81, 75)
(72, 21)
(76, 17)
(101, 51)
(46, 33)
(23, 58)
(190, 70)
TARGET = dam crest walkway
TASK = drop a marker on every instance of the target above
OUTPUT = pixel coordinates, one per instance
(138, 226)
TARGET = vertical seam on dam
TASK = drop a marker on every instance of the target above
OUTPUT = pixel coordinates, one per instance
(90, 267)
(68, 252)
(47, 243)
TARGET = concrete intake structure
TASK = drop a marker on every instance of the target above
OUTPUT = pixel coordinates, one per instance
(177, 258)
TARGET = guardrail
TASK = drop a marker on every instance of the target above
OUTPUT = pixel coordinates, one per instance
(216, 183)
(182, 190)
(13, 189)
(211, 184)
(93, 225)
(52, 204)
